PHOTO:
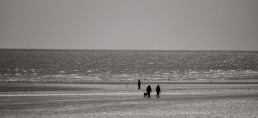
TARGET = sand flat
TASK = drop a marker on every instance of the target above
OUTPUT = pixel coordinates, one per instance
(120, 100)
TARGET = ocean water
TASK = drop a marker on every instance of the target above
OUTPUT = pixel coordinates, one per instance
(130, 64)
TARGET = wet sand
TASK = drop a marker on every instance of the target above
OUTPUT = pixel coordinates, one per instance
(121, 100)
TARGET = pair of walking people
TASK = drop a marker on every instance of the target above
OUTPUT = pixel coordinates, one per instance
(149, 91)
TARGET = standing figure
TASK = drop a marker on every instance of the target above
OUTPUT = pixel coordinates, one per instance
(139, 84)
(148, 90)
(158, 91)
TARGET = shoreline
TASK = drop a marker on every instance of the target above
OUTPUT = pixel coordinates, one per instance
(251, 81)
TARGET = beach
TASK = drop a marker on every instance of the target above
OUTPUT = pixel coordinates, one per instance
(86, 58)
(125, 100)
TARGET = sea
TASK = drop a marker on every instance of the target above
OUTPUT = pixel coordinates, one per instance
(42, 65)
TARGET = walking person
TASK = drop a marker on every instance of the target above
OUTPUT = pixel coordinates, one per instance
(148, 90)
(139, 84)
(158, 91)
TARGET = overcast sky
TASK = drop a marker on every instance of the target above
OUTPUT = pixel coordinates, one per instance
(129, 24)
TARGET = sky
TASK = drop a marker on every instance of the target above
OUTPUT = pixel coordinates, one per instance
(129, 24)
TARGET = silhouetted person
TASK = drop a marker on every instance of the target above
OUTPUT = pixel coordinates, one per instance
(139, 84)
(148, 90)
(158, 91)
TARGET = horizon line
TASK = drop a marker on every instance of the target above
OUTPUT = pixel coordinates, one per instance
(122, 49)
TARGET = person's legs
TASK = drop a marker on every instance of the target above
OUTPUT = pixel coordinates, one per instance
(149, 94)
